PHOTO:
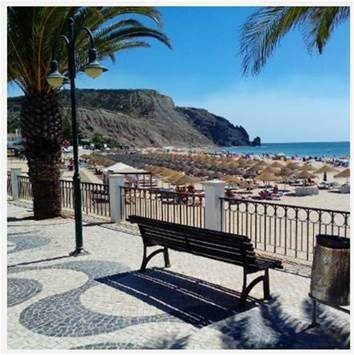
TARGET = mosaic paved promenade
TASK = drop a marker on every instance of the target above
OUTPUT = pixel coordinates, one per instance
(100, 301)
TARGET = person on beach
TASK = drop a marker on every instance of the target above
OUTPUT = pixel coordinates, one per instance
(190, 189)
(229, 193)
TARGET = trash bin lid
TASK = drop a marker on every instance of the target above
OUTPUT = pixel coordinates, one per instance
(333, 241)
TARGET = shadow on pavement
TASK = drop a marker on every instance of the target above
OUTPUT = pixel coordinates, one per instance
(192, 300)
(15, 219)
(281, 330)
(39, 261)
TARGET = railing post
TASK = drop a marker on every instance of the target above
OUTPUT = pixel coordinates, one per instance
(115, 183)
(15, 173)
(214, 190)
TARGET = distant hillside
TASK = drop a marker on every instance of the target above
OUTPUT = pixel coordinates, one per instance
(142, 118)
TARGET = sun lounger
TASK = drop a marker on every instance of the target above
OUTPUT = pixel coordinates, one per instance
(306, 190)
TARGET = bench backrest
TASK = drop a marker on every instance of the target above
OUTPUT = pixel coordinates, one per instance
(227, 247)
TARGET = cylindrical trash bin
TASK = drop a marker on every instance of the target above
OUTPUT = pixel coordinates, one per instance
(330, 277)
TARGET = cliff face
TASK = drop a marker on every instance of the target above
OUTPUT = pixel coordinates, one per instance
(142, 118)
(216, 128)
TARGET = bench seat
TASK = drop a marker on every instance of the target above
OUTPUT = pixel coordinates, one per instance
(216, 245)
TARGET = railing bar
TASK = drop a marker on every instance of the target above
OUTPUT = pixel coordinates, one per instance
(296, 231)
(275, 229)
(308, 235)
(265, 228)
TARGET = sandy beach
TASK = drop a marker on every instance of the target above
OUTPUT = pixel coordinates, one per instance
(325, 199)
(85, 173)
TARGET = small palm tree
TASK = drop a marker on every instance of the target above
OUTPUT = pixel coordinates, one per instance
(32, 39)
(266, 27)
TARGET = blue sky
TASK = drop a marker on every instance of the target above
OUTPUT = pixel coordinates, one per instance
(297, 96)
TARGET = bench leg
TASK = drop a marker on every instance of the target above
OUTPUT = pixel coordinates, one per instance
(166, 257)
(266, 291)
(243, 293)
(246, 289)
(147, 258)
(143, 264)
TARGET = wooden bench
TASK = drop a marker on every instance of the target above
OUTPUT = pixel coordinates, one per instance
(230, 248)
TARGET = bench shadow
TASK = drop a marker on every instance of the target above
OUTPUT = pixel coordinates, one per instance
(192, 300)
(96, 224)
(15, 219)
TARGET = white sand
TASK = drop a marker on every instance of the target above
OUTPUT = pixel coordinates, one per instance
(325, 199)
(85, 174)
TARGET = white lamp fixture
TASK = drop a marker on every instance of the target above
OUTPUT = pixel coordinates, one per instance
(94, 69)
(55, 79)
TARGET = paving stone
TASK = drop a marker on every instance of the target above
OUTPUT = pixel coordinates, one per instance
(101, 301)
(20, 290)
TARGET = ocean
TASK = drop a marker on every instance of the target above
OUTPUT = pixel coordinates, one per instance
(306, 149)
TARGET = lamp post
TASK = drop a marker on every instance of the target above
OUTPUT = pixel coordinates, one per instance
(56, 80)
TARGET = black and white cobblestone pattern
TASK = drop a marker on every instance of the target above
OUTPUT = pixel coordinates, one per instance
(20, 290)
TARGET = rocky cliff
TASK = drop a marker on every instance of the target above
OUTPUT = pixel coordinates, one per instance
(141, 118)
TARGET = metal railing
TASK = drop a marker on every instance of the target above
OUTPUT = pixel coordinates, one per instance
(94, 197)
(170, 206)
(9, 185)
(282, 229)
(24, 187)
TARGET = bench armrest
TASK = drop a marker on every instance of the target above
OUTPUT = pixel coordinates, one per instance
(276, 263)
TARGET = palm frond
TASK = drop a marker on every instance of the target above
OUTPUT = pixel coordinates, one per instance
(266, 27)
(133, 32)
(114, 26)
(33, 38)
(322, 23)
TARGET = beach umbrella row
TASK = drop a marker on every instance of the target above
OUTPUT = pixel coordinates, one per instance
(224, 167)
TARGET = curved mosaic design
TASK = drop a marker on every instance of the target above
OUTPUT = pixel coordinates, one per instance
(20, 290)
(64, 315)
(21, 242)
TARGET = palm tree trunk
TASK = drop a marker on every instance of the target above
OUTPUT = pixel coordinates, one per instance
(41, 127)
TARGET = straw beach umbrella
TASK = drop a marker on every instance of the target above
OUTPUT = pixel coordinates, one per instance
(186, 180)
(259, 164)
(292, 165)
(268, 177)
(242, 163)
(276, 164)
(307, 167)
(326, 169)
(170, 177)
(343, 174)
(285, 172)
(271, 170)
(231, 180)
(304, 175)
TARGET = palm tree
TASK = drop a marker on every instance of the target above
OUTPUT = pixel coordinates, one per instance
(266, 27)
(32, 42)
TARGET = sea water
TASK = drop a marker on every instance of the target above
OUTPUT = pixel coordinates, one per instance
(306, 149)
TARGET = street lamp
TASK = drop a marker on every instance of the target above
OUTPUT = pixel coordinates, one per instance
(56, 80)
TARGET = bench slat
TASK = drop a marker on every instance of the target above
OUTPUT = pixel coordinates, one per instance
(227, 247)
(228, 240)
(189, 243)
(180, 227)
(197, 248)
